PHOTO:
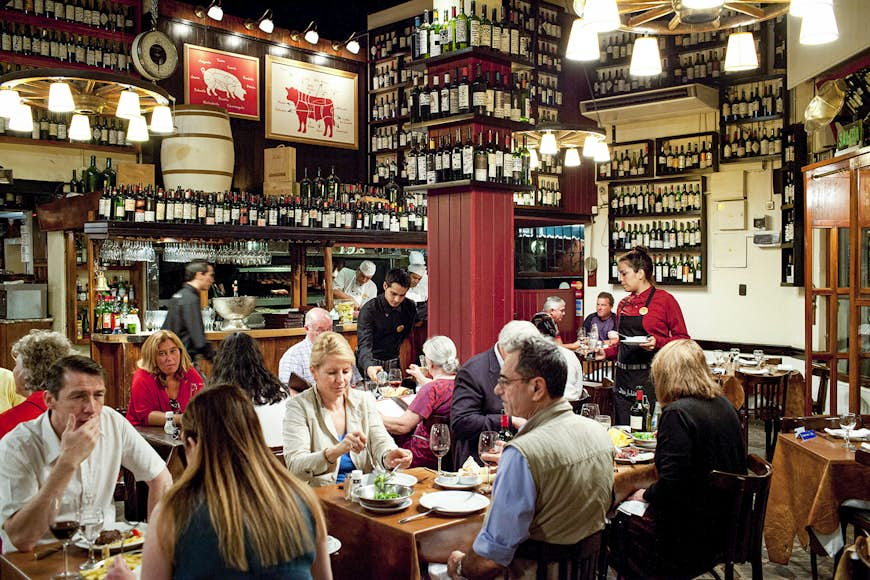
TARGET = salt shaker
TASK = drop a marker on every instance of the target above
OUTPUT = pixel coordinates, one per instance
(356, 477)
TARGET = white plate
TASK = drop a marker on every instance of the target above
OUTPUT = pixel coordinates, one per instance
(453, 483)
(639, 458)
(749, 371)
(333, 545)
(635, 339)
(399, 478)
(386, 510)
(121, 527)
(456, 503)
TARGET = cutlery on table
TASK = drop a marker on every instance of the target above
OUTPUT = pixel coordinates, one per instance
(418, 516)
(48, 550)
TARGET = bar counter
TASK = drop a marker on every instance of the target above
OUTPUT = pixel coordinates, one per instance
(119, 353)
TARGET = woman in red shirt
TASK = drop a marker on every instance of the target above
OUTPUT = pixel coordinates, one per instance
(165, 380)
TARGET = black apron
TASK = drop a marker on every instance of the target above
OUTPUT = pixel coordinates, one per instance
(632, 367)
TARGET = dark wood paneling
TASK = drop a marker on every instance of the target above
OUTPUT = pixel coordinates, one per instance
(10, 332)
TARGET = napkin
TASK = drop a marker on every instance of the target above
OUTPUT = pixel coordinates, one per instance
(438, 572)
(633, 507)
(855, 434)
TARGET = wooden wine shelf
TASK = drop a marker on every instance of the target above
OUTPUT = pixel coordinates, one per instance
(121, 150)
(489, 121)
(65, 26)
(469, 184)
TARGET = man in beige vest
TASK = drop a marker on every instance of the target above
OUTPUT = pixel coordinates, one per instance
(555, 477)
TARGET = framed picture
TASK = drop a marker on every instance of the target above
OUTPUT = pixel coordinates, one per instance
(310, 103)
(227, 80)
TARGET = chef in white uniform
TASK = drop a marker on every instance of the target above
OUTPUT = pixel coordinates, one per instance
(356, 284)
(419, 291)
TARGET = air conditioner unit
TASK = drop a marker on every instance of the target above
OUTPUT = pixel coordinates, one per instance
(655, 104)
(766, 238)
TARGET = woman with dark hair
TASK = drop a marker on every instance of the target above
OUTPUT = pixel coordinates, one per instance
(646, 320)
(699, 432)
(164, 382)
(219, 519)
(240, 362)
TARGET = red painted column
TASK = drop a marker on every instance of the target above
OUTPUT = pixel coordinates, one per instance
(471, 265)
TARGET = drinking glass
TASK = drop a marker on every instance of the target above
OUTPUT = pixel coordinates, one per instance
(487, 443)
(395, 377)
(717, 357)
(64, 524)
(735, 352)
(848, 422)
(758, 355)
(604, 420)
(590, 410)
(439, 442)
(91, 526)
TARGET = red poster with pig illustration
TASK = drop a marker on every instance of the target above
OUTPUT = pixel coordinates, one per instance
(227, 80)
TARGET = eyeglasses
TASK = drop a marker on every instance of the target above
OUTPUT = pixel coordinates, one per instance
(503, 382)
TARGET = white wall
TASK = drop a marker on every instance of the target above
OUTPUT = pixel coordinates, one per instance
(768, 314)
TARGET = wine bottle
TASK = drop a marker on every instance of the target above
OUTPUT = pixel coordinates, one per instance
(504, 432)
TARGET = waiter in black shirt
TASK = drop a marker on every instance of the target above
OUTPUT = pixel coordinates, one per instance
(383, 324)
(185, 314)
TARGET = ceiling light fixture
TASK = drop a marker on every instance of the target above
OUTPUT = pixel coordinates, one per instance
(128, 105)
(80, 128)
(264, 22)
(9, 101)
(161, 120)
(572, 157)
(21, 119)
(798, 8)
(582, 42)
(548, 144)
(60, 99)
(645, 58)
(602, 152)
(534, 162)
(351, 44)
(740, 54)
(703, 4)
(602, 15)
(590, 146)
(137, 130)
(309, 34)
(819, 25)
(214, 11)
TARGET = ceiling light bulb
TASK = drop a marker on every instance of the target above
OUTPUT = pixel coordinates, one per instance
(311, 37)
(9, 101)
(645, 58)
(21, 119)
(702, 4)
(798, 8)
(602, 15)
(740, 54)
(534, 162)
(602, 152)
(128, 105)
(266, 25)
(590, 146)
(80, 128)
(137, 130)
(60, 99)
(582, 42)
(572, 157)
(548, 144)
(353, 47)
(819, 25)
(161, 120)
(215, 12)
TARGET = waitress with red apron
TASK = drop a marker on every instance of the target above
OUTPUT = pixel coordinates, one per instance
(647, 319)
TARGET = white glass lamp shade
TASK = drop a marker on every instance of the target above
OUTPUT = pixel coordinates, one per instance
(161, 120)
(534, 162)
(702, 4)
(312, 37)
(21, 119)
(128, 105)
(602, 15)
(548, 144)
(819, 25)
(137, 130)
(740, 54)
(582, 42)
(267, 26)
(60, 99)
(590, 146)
(9, 101)
(215, 12)
(645, 58)
(602, 152)
(798, 8)
(572, 157)
(353, 47)
(80, 128)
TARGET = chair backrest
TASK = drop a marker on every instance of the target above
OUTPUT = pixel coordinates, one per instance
(747, 494)
(814, 422)
(601, 394)
(767, 392)
(597, 370)
(824, 374)
(574, 561)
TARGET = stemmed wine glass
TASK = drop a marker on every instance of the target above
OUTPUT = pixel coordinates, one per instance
(91, 526)
(64, 523)
(487, 443)
(395, 377)
(848, 422)
(439, 442)
(758, 355)
(590, 410)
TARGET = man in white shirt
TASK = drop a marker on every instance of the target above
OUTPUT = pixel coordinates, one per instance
(70, 455)
(294, 369)
(356, 285)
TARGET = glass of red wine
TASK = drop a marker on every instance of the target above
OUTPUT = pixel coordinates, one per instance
(395, 378)
(64, 524)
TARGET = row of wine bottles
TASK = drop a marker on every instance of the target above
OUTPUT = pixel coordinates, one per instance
(765, 99)
(752, 141)
(64, 46)
(638, 200)
(103, 14)
(673, 270)
(674, 158)
(657, 235)
(547, 194)
(626, 161)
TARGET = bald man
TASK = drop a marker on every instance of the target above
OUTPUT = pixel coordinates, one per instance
(294, 369)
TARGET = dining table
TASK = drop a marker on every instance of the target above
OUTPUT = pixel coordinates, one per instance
(810, 479)
(167, 447)
(735, 388)
(375, 545)
(25, 566)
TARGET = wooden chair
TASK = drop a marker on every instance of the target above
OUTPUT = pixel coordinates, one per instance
(814, 422)
(601, 394)
(824, 374)
(741, 536)
(858, 518)
(578, 561)
(597, 370)
(768, 396)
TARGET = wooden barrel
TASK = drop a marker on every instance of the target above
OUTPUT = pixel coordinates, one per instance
(200, 153)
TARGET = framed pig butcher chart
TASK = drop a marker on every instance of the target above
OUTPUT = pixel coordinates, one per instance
(311, 103)
(227, 80)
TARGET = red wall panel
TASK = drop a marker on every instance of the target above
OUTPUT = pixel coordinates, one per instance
(529, 302)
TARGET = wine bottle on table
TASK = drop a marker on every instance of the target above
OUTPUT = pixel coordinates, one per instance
(637, 414)
(504, 432)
